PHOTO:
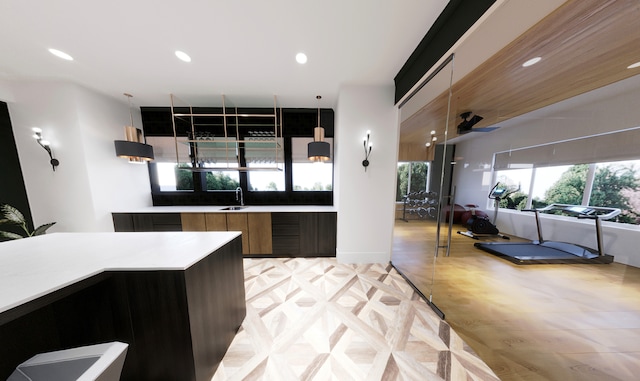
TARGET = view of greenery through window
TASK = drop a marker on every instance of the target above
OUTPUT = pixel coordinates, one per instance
(614, 184)
(215, 180)
(412, 177)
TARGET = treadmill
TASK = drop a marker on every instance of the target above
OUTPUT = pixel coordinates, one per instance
(553, 252)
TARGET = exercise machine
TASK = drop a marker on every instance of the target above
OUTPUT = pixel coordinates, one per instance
(541, 251)
(478, 224)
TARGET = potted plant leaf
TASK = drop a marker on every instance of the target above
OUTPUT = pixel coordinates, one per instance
(12, 216)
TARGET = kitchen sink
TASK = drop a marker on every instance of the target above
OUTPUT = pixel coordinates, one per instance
(234, 208)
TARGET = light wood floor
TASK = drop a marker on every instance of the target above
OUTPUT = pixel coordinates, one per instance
(529, 322)
(315, 319)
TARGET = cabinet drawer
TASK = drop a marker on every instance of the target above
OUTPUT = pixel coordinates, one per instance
(286, 245)
(285, 218)
(286, 230)
(166, 219)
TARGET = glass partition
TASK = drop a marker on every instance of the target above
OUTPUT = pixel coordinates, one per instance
(422, 231)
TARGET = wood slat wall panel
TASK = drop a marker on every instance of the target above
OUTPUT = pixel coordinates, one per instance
(585, 44)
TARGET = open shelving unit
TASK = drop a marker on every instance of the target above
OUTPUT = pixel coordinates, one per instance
(232, 139)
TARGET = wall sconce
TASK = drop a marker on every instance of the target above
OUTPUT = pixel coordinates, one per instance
(367, 150)
(37, 134)
(134, 147)
(318, 150)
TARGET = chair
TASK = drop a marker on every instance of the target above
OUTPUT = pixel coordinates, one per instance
(101, 362)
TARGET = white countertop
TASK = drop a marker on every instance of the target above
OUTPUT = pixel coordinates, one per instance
(36, 266)
(220, 208)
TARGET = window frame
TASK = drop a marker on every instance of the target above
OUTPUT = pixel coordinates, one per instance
(295, 122)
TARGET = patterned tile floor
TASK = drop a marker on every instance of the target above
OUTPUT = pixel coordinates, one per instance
(315, 319)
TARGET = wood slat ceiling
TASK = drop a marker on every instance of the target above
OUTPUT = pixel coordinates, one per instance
(584, 45)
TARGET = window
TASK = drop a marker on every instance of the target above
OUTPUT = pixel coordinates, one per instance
(260, 153)
(609, 184)
(560, 185)
(617, 184)
(260, 181)
(172, 177)
(412, 177)
(306, 175)
(517, 182)
(272, 170)
(600, 170)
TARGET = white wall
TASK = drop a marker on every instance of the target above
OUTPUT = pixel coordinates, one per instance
(6, 95)
(364, 199)
(90, 181)
(612, 108)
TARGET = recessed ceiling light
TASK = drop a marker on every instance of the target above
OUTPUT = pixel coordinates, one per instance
(183, 56)
(633, 66)
(301, 58)
(61, 54)
(532, 61)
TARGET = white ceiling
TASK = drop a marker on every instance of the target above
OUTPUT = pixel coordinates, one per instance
(244, 49)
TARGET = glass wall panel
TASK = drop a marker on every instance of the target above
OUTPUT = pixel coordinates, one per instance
(412, 178)
(423, 182)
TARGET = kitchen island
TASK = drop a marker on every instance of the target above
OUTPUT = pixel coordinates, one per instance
(177, 298)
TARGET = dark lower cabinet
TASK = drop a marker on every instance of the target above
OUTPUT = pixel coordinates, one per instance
(327, 233)
(147, 222)
(285, 230)
(178, 323)
(304, 234)
(295, 234)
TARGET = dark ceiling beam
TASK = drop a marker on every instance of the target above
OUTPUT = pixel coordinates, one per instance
(456, 18)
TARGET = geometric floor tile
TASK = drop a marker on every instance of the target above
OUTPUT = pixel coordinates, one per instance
(316, 319)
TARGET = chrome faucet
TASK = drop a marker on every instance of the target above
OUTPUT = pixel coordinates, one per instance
(239, 190)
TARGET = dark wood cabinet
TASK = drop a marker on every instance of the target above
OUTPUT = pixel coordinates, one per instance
(304, 234)
(178, 323)
(147, 222)
(296, 234)
(285, 229)
(327, 233)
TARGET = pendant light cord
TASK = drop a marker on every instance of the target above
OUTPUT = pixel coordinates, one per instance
(130, 113)
(318, 97)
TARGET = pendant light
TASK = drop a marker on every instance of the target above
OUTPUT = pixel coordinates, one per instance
(318, 150)
(134, 147)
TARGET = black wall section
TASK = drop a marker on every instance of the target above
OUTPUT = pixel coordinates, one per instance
(12, 191)
(440, 164)
(296, 122)
(456, 18)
